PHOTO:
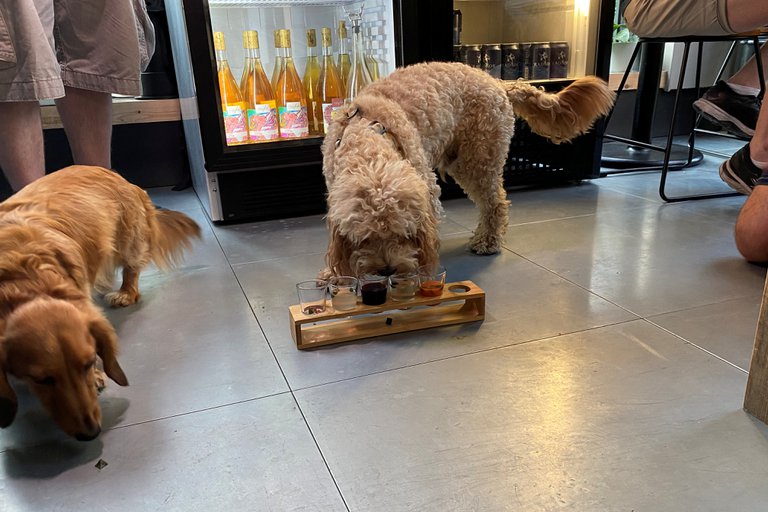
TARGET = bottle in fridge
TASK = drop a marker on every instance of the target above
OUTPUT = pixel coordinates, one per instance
(331, 88)
(258, 94)
(291, 98)
(232, 105)
(311, 83)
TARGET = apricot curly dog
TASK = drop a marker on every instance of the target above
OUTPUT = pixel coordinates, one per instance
(379, 156)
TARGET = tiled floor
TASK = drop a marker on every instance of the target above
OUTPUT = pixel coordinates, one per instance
(609, 374)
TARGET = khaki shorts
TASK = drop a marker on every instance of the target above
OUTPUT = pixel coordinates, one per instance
(677, 18)
(97, 45)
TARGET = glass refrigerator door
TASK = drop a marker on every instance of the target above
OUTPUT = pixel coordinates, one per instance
(291, 39)
(240, 177)
(530, 39)
(550, 42)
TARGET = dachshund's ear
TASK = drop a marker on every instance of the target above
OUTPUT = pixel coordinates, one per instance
(8, 401)
(106, 346)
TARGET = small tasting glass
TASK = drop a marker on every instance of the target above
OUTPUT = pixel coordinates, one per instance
(312, 295)
(343, 292)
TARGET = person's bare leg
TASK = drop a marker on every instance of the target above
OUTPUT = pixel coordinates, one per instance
(87, 120)
(752, 226)
(21, 143)
(747, 75)
(752, 223)
(745, 15)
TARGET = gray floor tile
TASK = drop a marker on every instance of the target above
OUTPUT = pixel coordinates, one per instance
(541, 205)
(726, 329)
(620, 418)
(649, 260)
(257, 241)
(257, 455)
(170, 199)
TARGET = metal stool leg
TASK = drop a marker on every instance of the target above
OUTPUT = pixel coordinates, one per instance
(670, 135)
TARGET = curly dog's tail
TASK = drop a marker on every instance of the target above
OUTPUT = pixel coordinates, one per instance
(562, 116)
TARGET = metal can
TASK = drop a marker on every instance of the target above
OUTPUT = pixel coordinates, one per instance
(511, 61)
(540, 54)
(492, 59)
(472, 55)
(559, 59)
(526, 68)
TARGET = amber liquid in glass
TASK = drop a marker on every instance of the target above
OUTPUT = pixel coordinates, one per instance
(331, 88)
(279, 54)
(291, 100)
(258, 95)
(311, 84)
(246, 63)
(232, 104)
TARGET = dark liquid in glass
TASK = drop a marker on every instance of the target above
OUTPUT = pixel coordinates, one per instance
(374, 294)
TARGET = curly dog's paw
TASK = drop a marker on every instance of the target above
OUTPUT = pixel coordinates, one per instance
(326, 274)
(121, 298)
(484, 245)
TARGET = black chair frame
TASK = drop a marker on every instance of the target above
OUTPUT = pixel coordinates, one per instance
(667, 150)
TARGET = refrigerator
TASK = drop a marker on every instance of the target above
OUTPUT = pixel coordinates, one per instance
(281, 178)
(549, 43)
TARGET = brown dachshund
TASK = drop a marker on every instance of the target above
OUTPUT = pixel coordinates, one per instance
(62, 237)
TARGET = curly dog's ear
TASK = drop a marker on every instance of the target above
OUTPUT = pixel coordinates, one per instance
(333, 139)
(8, 402)
(339, 250)
(106, 346)
(428, 242)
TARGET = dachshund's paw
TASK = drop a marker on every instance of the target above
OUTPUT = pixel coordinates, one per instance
(121, 298)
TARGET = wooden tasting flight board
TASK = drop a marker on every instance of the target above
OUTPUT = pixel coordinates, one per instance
(461, 302)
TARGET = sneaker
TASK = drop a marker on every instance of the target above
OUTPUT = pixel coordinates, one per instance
(739, 172)
(736, 113)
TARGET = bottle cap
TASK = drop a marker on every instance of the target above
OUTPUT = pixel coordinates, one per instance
(325, 33)
(251, 39)
(311, 38)
(285, 38)
(218, 41)
(342, 29)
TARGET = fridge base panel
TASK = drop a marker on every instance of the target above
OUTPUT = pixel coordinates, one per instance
(269, 194)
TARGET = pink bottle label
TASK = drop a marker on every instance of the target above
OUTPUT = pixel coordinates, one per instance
(293, 120)
(262, 122)
(329, 109)
(234, 125)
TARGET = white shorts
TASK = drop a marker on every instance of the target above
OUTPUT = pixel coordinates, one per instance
(97, 45)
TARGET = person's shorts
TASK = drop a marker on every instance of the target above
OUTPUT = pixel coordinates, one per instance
(97, 45)
(677, 18)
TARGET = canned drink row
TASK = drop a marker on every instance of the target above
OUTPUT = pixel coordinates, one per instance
(510, 61)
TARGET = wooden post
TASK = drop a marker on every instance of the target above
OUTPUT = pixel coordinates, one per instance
(756, 396)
